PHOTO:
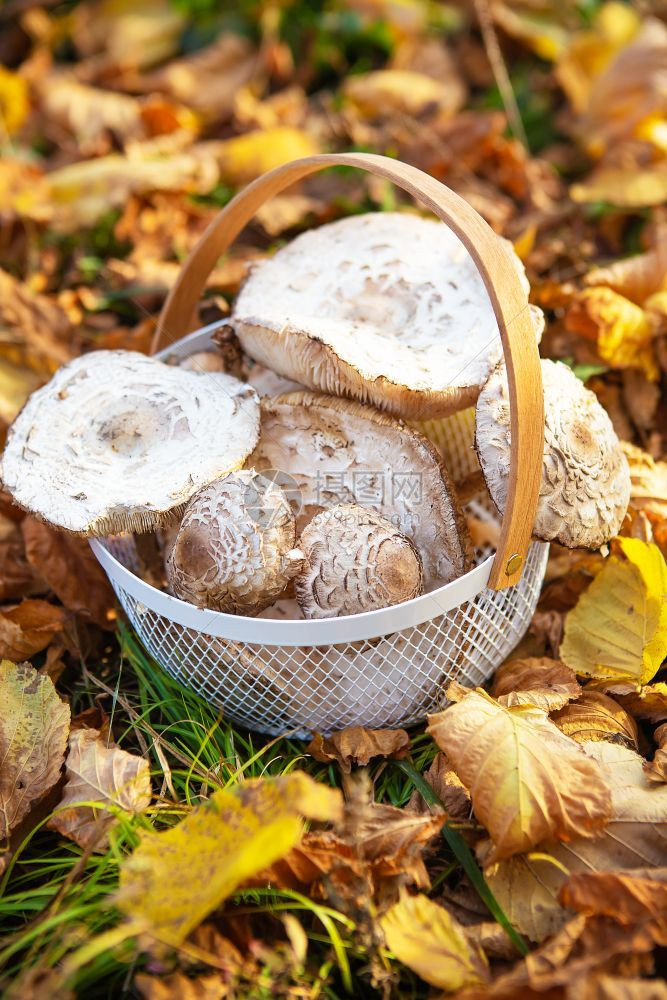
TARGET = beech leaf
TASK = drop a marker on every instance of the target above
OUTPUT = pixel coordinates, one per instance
(99, 773)
(175, 878)
(547, 684)
(29, 627)
(618, 628)
(597, 717)
(357, 745)
(427, 938)
(528, 782)
(33, 734)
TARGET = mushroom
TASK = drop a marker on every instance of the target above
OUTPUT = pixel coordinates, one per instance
(328, 451)
(203, 361)
(117, 441)
(234, 550)
(387, 308)
(355, 561)
(585, 476)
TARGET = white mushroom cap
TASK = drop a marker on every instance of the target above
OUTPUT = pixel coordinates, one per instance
(388, 308)
(331, 450)
(117, 441)
(234, 550)
(355, 561)
(585, 487)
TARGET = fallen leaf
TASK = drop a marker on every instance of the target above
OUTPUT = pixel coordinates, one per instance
(656, 769)
(628, 187)
(547, 684)
(636, 277)
(597, 717)
(17, 577)
(623, 331)
(175, 878)
(427, 938)
(245, 157)
(527, 886)
(34, 330)
(357, 745)
(391, 92)
(29, 627)
(527, 781)
(547, 627)
(91, 115)
(126, 34)
(102, 774)
(449, 788)
(648, 479)
(14, 101)
(626, 897)
(618, 628)
(69, 567)
(648, 702)
(33, 734)
(598, 986)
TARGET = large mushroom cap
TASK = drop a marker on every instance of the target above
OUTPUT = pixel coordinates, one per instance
(327, 451)
(355, 561)
(234, 550)
(585, 476)
(388, 308)
(117, 441)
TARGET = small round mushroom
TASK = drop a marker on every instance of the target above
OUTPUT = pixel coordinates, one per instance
(234, 550)
(585, 487)
(203, 361)
(387, 308)
(117, 441)
(330, 450)
(355, 561)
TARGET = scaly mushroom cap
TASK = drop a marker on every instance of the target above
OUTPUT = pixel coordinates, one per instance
(117, 441)
(234, 550)
(585, 476)
(329, 450)
(355, 561)
(388, 308)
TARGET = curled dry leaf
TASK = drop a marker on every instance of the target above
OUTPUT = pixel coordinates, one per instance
(527, 886)
(648, 702)
(33, 735)
(595, 716)
(69, 567)
(357, 745)
(29, 627)
(626, 897)
(656, 769)
(527, 781)
(648, 481)
(175, 878)
(636, 277)
(427, 938)
(547, 684)
(102, 774)
(622, 330)
(449, 788)
(618, 628)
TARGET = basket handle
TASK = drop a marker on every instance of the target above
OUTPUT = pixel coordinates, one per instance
(503, 285)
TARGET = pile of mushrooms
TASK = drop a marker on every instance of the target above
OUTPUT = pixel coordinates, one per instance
(319, 495)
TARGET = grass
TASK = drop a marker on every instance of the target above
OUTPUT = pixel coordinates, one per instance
(54, 898)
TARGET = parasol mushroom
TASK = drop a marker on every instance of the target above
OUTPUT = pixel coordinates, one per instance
(117, 441)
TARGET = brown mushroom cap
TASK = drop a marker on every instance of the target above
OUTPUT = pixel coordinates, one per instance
(329, 450)
(355, 561)
(585, 476)
(117, 441)
(234, 550)
(387, 308)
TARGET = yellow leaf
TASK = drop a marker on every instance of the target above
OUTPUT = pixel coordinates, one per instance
(427, 938)
(597, 717)
(527, 781)
(387, 92)
(624, 332)
(626, 187)
(618, 628)
(99, 773)
(14, 101)
(247, 156)
(33, 735)
(174, 879)
(637, 277)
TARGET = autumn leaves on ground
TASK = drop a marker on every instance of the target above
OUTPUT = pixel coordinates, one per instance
(149, 848)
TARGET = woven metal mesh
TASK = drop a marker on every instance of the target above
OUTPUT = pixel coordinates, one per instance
(392, 680)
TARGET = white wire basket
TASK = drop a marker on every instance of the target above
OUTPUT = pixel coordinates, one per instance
(378, 669)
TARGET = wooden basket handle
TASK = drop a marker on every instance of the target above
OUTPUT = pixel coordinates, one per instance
(508, 298)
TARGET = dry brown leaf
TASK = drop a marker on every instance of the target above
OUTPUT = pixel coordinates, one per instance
(547, 627)
(626, 897)
(17, 576)
(597, 717)
(635, 277)
(527, 781)
(102, 774)
(623, 331)
(29, 627)
(527, 886)
(656, 769)
(34, 330)
(547, 684)
(33, 734)
(90, 114)
(178, 986)
(129, 35)
(648, 480)
(598, 986)
(449, 788)
(357, 745)
(631, 187)
(427, 938)
(392, 92)
(648, 702)
(70, 569)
